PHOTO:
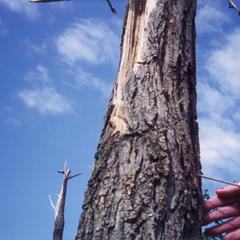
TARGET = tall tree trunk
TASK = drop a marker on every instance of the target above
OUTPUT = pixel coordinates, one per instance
(144, 184)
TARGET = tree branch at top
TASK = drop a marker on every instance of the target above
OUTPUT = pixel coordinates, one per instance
(234, 6)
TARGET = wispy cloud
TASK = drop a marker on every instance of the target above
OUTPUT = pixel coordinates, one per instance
(210, 18)
(42, 94)
(39, 75)
(224, 64)
(3, 28)
(13, 122)
(210, 98)
(91, 41)
(219, 108)
(45, 100)
(220, 149)
(80, 78)
(40, 48)
(21, 6)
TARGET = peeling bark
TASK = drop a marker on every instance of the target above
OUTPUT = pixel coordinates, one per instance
(144, 183)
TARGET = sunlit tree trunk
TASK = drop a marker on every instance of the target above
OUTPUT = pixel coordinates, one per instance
(144, 184)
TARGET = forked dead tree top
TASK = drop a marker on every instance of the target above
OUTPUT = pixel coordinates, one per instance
(59, 206)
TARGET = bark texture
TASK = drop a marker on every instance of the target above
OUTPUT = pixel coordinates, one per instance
(144, 184)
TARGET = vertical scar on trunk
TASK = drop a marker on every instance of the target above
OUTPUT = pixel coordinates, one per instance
(132, 52)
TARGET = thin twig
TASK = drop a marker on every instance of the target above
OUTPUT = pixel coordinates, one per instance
(218, 180)
(111, 6)
(233, 5)
(51, 202)
(75, 175)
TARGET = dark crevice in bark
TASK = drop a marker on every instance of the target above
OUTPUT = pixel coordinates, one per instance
(144, 183)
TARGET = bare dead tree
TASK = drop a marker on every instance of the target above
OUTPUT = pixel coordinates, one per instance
(60, 205)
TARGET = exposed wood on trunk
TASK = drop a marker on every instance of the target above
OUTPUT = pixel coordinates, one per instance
(144, 184)
(60, 205)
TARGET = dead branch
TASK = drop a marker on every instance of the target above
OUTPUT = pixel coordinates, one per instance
(59, 206)
(234, 6)
(75, 175)
(218, 180)
(51, 202)
(111, 6)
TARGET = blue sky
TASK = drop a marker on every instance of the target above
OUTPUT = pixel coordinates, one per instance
(58, 63)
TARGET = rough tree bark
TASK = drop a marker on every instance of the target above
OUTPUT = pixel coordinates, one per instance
(144, 183)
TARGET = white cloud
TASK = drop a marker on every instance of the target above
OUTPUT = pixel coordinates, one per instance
(236, 116)
(42, 94)
(3, 28)
(45, 100)
(80, 78)
(14, 121)
(117, 23)
(210, 18)
(88, 40)
(224, 64)
(39, 49)
(210, 98)
(38, 76)
(219, 136)
(220, 149)
(101, 86)
(11, 117)
(219, 110)
(22, 6)
(215, 105)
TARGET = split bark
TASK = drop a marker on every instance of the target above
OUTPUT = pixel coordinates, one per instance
(144, 184)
